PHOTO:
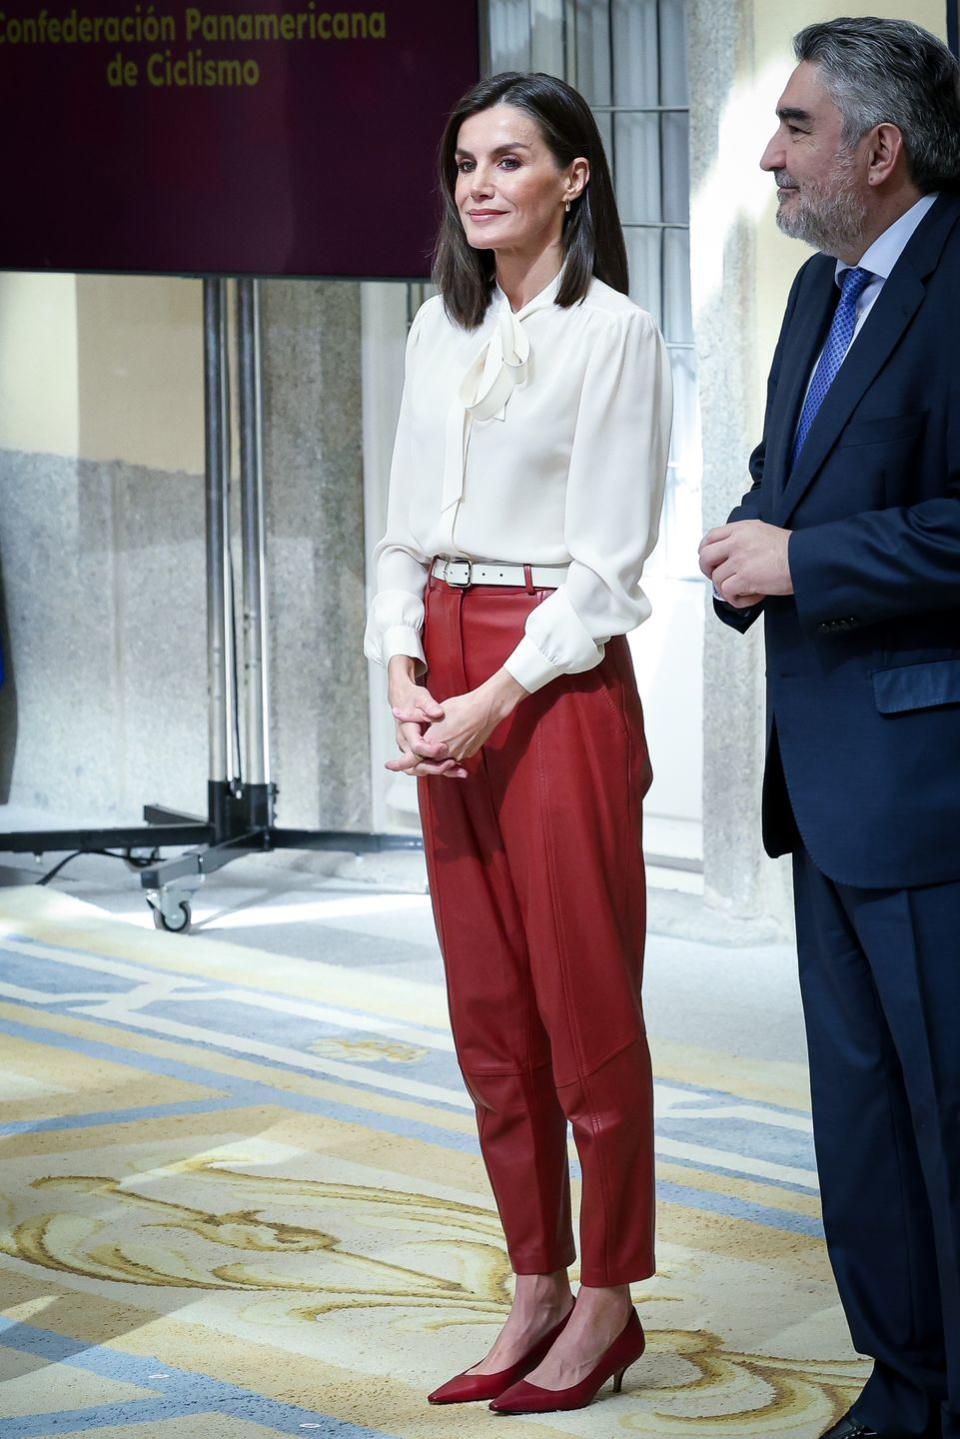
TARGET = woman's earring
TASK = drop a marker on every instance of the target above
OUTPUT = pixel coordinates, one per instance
(567, 207)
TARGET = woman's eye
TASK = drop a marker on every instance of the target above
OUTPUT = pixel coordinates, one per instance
(511, 162)
(464, 166)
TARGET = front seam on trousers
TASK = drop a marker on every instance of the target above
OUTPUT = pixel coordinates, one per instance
(530, 1067)
(886, 1028)
(575, 1037)
(898, 1150)
(934, 1100)
(436, 888)
(438, 907)
(890, 1057)
(554, 907)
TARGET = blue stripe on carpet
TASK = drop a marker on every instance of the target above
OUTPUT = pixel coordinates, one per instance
(252, 1094)
(178, 1393)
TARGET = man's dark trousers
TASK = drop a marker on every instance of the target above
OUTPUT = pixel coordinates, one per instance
(880, 979)
(862, 784)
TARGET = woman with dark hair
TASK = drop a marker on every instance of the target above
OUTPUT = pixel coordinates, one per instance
(525, 495)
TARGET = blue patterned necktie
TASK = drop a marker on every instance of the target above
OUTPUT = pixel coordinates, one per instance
(852, 286)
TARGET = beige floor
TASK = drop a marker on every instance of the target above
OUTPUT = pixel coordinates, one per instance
(241, 1191)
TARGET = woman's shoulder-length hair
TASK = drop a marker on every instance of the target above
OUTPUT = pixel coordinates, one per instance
(592, 237)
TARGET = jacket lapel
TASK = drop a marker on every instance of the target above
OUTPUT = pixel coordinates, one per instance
(886, 322)
(895, 307)
(804, 344)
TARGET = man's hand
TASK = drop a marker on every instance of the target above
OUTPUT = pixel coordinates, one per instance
(747, 561)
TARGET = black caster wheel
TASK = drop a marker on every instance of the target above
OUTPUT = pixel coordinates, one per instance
(174, 925)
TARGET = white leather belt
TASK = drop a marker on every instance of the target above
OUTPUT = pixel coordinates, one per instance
(463, 573)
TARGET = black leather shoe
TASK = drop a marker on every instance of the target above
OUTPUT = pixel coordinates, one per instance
(850, 1428)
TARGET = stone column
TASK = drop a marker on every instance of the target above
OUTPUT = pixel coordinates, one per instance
(738, 877)
(314, 505)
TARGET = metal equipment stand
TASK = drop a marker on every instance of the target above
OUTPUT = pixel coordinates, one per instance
(240, 802)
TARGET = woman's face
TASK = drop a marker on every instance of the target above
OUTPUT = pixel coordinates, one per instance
(510, 192)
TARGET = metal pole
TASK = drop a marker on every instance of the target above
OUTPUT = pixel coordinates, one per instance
(214, 394)
(257, 757)
(230, 636)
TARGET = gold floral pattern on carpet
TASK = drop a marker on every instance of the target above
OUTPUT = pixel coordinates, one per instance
(339, 1247)
(369, 1051)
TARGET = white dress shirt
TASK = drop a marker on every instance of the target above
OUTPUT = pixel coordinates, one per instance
(539, 438)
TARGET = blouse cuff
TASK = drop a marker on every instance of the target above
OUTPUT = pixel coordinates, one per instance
(530, 667)
(403, 640)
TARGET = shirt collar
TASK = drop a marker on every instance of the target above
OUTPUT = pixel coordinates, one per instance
(887, 248)
(540, 301)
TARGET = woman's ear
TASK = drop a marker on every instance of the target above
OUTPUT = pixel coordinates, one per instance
(577, 177)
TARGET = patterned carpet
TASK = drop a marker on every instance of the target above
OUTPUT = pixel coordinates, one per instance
(241, 1195)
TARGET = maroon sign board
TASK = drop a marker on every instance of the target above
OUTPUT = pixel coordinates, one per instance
(245, 137)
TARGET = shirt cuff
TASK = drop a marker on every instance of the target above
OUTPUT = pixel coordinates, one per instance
(530, 667)
(403, 640)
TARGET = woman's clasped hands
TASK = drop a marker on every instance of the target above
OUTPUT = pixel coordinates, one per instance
(435, 739)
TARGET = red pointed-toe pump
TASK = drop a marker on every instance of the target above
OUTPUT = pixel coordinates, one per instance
(467, 1388)
(526, 1398)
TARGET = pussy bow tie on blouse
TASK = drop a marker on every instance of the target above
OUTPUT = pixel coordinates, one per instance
(484, 392)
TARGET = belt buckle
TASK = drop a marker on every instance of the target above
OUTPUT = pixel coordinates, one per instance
(458, 584)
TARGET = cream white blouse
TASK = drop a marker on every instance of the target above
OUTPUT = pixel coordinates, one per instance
(540, 438)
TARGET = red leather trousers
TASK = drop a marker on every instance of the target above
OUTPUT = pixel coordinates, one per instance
(537, 879)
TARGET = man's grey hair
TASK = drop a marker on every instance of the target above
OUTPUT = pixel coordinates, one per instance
(893, 72)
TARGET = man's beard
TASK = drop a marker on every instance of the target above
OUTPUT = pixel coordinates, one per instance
(830, 220)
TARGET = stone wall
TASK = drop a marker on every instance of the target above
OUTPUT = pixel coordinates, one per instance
(738, 877)
(103, 614)
(314, 503)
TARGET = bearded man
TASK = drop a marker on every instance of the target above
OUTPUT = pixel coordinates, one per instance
(848, 542)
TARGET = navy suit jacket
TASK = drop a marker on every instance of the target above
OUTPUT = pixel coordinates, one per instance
(863, 660)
